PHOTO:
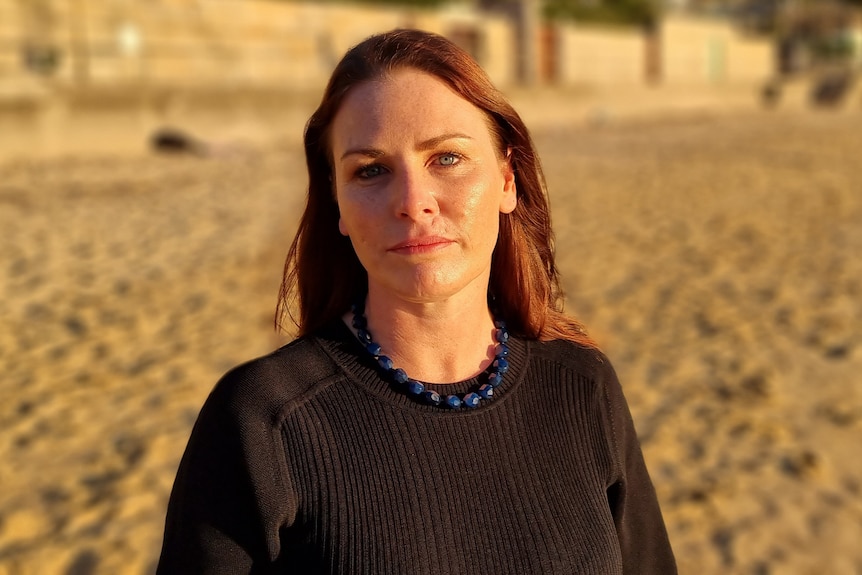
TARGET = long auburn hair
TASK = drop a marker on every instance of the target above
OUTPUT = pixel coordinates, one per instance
(322, 274)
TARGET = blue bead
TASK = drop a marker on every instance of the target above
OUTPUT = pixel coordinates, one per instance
(501, 364)
(471, 400)
(486, 391)
(373, 348)
(414, 387)
(432, 397)
(417, 389)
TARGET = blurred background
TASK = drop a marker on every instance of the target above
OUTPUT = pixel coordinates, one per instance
(702, 164)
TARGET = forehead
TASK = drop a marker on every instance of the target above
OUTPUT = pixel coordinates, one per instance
(405, 105)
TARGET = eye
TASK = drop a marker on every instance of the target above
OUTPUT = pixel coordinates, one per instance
(448, 159)
(369, 171)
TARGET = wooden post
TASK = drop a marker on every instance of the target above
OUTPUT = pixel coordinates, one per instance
(653, 53)
(549, 54)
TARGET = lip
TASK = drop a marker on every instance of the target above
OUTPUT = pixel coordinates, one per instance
(420, 245)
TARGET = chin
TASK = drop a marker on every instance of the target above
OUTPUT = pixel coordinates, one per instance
(431, 287)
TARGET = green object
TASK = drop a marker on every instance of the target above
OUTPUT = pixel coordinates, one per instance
(716, 57)
(630, 12)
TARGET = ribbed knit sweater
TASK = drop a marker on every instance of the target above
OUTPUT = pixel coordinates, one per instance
(307, 461)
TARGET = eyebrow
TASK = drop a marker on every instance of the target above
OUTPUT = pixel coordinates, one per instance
(425, 145)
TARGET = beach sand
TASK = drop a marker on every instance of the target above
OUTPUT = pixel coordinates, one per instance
(715, 257)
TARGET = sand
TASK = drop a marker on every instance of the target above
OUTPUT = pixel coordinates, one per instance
(714, 256)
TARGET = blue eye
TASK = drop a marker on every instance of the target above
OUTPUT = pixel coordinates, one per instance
(448, 159)
(369, 171)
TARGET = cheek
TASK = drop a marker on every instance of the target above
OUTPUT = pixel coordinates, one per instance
(358, 213)
(346, 214)
(481, 214)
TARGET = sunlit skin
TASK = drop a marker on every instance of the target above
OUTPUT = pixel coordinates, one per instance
(420, 184)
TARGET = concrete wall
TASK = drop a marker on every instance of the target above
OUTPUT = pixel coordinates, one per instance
(289, 45)
(750, 60)
(598, 56)
(228, 42)
(693, 52)
(698, 52)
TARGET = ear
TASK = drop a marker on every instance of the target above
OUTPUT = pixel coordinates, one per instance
(509, 199)
(342, 228)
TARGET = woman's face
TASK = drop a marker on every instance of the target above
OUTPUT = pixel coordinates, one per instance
(420, 185)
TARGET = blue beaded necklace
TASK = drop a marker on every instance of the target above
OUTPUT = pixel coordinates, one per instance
(416, 389)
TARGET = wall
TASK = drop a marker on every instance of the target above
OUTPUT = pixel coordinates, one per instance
(294, 45)
(598, 56)
(229, 42)
(698, 52)
(692, 52)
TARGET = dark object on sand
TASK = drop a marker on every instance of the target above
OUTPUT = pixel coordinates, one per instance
(831, 87)
(770, 94)
(174, 141)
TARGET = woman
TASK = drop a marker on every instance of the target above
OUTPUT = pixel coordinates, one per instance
(438, 413)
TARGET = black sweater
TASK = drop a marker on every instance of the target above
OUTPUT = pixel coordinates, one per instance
(306, 461)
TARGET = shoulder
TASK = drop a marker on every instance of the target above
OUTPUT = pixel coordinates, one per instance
(588, 376)
(265, 387)
(577, 370)
(587, 361)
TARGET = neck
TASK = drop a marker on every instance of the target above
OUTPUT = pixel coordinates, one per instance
(436, 342)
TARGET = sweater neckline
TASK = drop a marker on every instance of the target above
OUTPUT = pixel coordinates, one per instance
(361, 370)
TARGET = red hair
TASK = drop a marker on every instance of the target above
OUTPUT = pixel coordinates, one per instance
(322, 273)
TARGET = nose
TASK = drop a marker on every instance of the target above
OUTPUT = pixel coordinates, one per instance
(414, 194)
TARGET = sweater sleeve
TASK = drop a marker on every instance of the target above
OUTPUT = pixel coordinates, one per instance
(230, 500)
(639, 524)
